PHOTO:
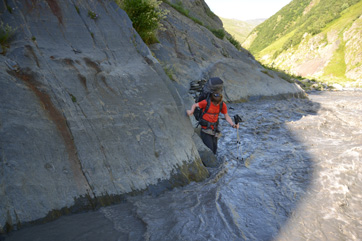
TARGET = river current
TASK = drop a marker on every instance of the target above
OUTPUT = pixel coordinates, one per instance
(295, 175)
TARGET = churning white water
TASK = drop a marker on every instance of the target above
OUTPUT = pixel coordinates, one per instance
(297, 175)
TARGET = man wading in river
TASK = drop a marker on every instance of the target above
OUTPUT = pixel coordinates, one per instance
(209, 120)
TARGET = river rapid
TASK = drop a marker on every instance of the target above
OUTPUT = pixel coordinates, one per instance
(296, 175)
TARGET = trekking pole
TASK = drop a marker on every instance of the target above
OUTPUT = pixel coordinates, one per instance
(237, 119)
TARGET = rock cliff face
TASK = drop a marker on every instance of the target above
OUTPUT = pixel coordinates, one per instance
(87, 114)
(190, 52)
(199, 10)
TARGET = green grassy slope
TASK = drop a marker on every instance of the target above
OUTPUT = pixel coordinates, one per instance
(297, 15)
(327, 32)
(237, 28)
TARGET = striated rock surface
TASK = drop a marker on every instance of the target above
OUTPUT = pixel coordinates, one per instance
(198, 10)
(88, 115)
(190, 52)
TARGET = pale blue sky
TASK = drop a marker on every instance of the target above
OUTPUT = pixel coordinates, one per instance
(246, 9)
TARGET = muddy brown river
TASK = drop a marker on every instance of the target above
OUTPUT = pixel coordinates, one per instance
(296, 175)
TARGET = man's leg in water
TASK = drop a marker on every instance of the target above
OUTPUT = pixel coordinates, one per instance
(209, 141)
(215, 143)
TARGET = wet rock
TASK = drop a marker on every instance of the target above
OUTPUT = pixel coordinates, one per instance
(85, 111)
(301, 165)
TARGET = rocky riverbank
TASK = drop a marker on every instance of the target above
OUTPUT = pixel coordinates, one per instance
(295, 176)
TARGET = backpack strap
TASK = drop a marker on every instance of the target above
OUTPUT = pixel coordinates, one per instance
(207, 106)
(221, 105)
(202, 121)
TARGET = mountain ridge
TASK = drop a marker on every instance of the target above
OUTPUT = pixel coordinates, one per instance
(238, 28)
(321, 40)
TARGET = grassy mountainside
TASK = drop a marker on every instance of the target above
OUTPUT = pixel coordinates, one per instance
(313, 38)
(255, 22)
(239, 29)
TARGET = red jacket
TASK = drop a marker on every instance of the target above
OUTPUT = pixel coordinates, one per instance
(212, 114)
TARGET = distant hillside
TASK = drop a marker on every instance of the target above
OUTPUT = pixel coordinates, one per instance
(313, 38)
(240, 29)
(255, 22)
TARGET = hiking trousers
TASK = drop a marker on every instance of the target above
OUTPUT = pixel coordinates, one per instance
(210, 141)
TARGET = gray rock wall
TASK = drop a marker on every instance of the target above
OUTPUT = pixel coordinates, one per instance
(200, 11)
(189, 52)
(86, 113)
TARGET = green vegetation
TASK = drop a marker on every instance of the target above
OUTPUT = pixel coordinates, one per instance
(312, 31)
(6, 32)
(336, 68)
(305, 84)
(210, 13)
(234, 42)
(220, 33)
(180, 8)
(169, 72)
(92, 15)
(238, 29)
(74, 99)
(276, 47)
(267, 73)
(278, 25)
(77, 9)
(145, 16)
(296, 17)
(10, 9)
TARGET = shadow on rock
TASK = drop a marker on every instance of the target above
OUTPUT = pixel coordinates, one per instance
(250, 199)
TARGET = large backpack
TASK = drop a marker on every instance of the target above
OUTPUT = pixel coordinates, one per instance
(213, 85)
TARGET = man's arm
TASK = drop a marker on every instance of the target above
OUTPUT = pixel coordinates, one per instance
(230, 121)
(193, 107)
